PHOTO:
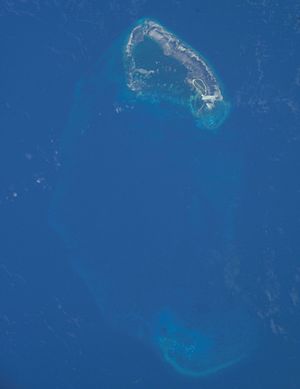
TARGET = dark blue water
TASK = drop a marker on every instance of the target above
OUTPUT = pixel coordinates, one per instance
(113, 211)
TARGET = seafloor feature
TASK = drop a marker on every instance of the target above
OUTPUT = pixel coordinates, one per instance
(160, 66)
(146, 204)
(207, 349)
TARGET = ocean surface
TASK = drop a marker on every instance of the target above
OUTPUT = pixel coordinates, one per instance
(139, 249)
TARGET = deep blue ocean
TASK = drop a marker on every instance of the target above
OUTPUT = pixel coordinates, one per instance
(137, 249)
